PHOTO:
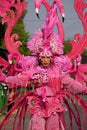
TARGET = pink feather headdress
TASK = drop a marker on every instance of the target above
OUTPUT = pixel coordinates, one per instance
(45, 40)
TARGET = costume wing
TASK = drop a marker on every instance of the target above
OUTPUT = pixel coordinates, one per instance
(10, 12)
(79, 43)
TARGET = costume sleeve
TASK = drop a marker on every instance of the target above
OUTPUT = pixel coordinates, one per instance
(73, 85)
(21, 79)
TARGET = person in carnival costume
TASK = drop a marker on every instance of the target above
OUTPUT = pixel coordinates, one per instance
(52, 85)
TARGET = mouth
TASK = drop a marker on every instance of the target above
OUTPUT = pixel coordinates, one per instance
(46, 64)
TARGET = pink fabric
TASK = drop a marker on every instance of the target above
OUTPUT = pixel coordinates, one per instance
(37, 123)
(73, 85)
(45, 109)
(42, 112)
(48, 91)
(54, 122)
(48, 114)
(52, 80)
(21, 79)
(43, 93)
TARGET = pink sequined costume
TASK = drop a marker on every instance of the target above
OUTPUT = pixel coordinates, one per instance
(49, 95)
(52, 85)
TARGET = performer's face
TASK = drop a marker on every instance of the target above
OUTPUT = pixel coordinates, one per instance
(45, 61)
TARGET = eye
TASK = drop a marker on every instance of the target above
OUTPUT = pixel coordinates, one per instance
(48, 57)
(42, 57)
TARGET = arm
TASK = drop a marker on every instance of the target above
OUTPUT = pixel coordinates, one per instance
(19, 80)
(73, 85)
